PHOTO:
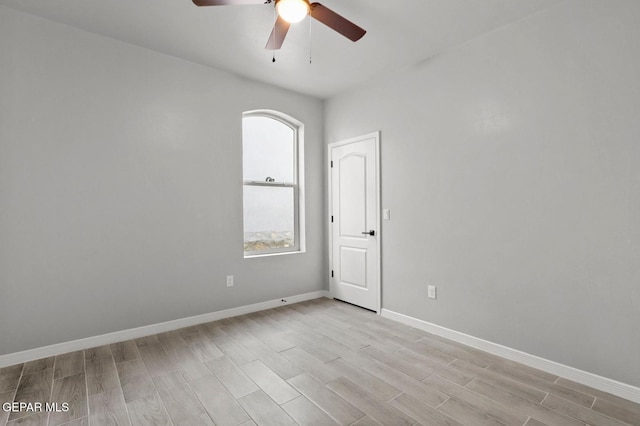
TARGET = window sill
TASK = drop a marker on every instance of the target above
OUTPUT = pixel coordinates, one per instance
(282, 253)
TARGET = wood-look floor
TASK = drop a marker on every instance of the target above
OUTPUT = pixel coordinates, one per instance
(320, 362)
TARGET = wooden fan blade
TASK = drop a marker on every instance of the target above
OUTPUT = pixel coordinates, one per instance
(226, 2)
(278, 34)
(338, 23)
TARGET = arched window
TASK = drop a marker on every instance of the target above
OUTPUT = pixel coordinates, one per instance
(273, 192)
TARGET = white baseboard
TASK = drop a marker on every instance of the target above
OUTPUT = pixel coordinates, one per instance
(134, 333)
(603, 384)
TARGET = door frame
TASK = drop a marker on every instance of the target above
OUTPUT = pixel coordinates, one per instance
(376, 136)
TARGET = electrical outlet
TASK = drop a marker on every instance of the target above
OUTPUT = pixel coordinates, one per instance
(229, 280)
(431, 292)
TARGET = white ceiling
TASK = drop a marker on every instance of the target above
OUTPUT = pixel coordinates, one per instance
(400, 33)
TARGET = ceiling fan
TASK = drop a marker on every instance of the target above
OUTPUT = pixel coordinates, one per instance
(292, 11)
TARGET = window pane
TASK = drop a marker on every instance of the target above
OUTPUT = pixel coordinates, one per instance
(268, 218)
(268, 149)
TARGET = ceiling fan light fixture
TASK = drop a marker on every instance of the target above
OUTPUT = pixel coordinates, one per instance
(292, 11)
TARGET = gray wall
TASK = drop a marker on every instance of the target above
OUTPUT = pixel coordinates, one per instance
(121, 187)
(511, 166)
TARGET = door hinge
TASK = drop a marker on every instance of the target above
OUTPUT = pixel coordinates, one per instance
(331, 273)
(331, 164)
(331, 218)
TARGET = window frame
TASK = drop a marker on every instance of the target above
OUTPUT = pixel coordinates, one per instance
(297, 185)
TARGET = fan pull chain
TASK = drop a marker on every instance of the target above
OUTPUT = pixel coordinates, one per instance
(275, 35)
(309, 36)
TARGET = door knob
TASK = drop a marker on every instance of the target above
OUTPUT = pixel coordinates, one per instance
(372, 233)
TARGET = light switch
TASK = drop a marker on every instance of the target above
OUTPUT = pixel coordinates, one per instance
(386, 214)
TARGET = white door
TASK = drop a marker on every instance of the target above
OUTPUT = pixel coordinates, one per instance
(355, 226)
